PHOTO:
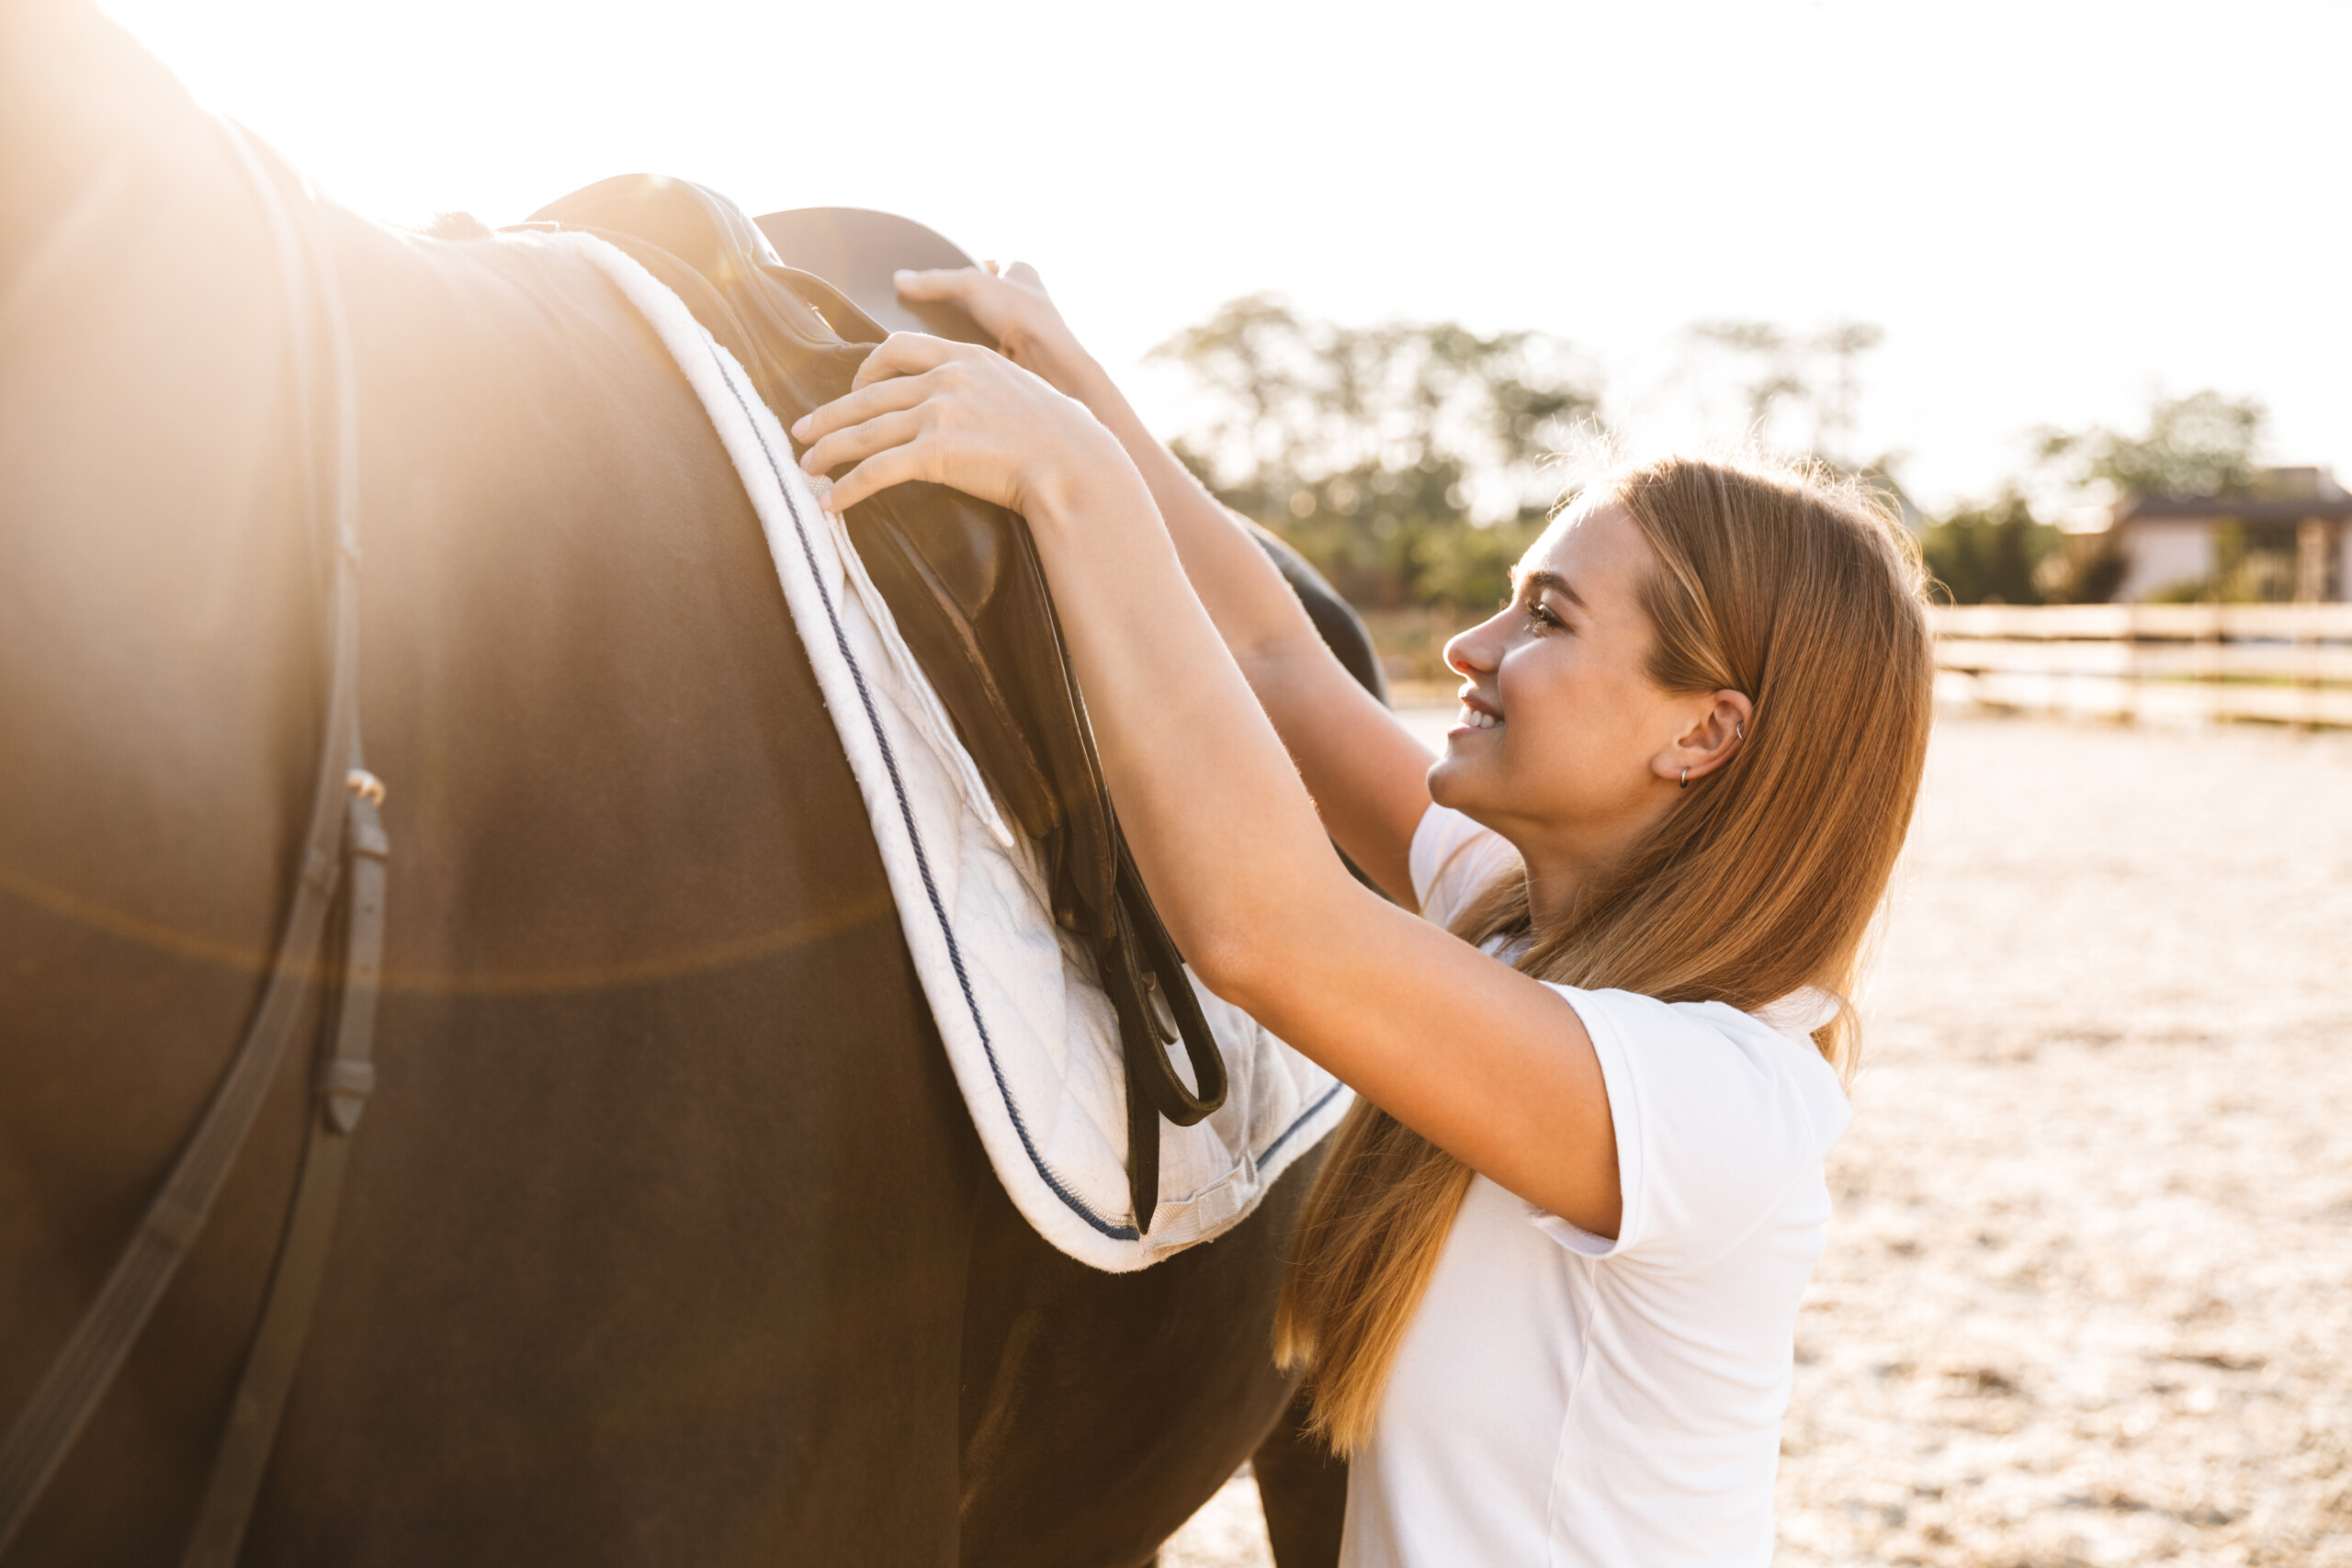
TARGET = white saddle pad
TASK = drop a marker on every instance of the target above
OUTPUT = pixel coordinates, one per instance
(1031, 1037)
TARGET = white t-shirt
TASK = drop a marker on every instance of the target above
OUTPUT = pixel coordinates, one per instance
(1562, 1399)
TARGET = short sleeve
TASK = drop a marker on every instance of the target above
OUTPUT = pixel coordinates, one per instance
(1453, 860)
(1716, 1116)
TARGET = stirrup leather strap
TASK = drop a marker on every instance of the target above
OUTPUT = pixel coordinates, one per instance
(344, 825)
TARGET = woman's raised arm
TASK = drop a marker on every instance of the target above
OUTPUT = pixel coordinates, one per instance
(1227, 840)
(1366, 771)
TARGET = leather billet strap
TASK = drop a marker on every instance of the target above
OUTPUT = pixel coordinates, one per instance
(345, 1079)
(342, 824)
(1156, 1008)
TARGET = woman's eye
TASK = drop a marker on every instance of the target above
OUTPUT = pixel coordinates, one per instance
(1543, 617)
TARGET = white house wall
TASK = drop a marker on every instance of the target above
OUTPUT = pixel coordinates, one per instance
(2163, 551)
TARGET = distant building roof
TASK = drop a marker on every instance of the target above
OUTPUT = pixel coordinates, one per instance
(2277, 495)
(2140, 508)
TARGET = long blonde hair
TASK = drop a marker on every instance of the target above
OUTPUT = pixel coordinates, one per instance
(1761, 879)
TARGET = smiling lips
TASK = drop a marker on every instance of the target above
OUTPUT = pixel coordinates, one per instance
(1478, 714)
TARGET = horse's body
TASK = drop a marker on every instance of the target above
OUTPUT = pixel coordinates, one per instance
(667, 1237)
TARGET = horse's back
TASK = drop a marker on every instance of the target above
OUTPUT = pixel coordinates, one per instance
(655, 1240)
(654, 1237)
(658, 1240)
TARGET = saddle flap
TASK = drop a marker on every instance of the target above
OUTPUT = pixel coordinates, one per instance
(967, 594)
(1059, 1072)
(943, 560)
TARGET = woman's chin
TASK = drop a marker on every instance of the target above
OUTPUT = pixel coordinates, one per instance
(1453, 778)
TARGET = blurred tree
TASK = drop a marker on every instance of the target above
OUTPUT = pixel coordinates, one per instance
(1991, 554)
(2000, 554)
(1770, 356)
(2085, 569)
(1406, 461)
(2202, 445)
(1813, 380)
(1468, 566)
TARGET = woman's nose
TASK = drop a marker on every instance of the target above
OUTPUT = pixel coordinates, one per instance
(1471, 653)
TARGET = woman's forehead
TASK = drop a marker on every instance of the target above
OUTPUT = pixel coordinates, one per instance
(1595, 548)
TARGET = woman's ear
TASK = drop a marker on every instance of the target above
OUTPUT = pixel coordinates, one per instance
(1717, 730)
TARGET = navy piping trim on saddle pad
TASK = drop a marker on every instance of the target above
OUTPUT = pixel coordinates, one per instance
(906, 814)
(922, 862)
(1305, 1116)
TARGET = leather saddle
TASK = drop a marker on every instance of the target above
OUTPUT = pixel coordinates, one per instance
(962, 580)
(858, 250)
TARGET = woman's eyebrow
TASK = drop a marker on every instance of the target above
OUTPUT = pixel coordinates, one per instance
(1543, 578)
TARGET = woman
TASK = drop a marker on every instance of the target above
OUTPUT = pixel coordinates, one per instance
(1548, 1280)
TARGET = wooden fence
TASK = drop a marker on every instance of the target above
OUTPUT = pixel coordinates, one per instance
(2280, 663)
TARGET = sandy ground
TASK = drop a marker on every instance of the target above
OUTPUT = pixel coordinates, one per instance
(2087, 1298)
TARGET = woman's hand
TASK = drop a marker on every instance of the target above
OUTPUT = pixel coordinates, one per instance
(952, 414)
(1011, 305)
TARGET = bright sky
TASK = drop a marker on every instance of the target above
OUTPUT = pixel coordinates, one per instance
(2054, 209)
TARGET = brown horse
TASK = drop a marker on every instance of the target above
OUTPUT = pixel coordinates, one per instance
(668, 1238)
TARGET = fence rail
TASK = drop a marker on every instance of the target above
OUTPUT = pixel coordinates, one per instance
(2280, 663)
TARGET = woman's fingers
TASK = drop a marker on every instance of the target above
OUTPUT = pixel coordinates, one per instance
(862, 440)
(854, 407)
(971, 285)
(1011, 305)
(950, 283)
(910, 354)
(894, 465)
(949, 413)
(892, 378)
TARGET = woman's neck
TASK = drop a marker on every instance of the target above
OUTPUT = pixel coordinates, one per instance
(1565, 863)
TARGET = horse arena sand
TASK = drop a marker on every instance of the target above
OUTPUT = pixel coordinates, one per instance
(2088, 1297)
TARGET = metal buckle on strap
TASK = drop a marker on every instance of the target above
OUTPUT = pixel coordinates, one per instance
(364, 830)
(337, 1076)
(345, 1086)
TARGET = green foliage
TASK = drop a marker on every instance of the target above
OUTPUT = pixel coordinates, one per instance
(2202, 445)
(1990, 555)
(2001, 554)
(2085, 569)
(1469, 565)
(1406, 461)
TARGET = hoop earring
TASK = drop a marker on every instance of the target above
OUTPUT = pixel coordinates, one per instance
(1739, 729)
(1686, 779)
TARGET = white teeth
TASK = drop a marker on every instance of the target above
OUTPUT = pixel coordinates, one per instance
(1477, 720)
